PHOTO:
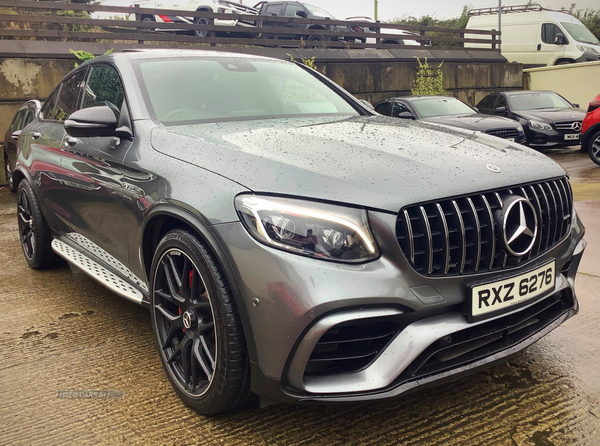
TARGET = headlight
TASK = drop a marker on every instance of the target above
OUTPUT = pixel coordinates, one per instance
(520, 129)
(308, 228)
(586, 49)
(539, 125)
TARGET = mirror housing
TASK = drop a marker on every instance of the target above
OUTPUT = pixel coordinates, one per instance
(405, 115)
(302, 14)
(367, 104)
(92, 121)
(575, 105)
(559, 39)
(500, 110)
(16, 134)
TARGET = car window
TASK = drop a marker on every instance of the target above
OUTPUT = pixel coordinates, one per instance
(489, 103)
(16, 123)
(104, 87)
(292, 8)
(549, 32)
(534, 101)
(273, 9)
(384, 108)
(68, 97)
(501, 102)
(48, 108)
(441, 106)
(398, 107)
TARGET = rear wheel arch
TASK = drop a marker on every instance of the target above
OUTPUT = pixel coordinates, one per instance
(587, 137)
(162, 220)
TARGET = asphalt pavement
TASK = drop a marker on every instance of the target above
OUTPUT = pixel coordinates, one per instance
(61, 331)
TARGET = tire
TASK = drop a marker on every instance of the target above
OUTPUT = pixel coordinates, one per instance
(33, 230)
(9, 175)
(315, 38)
(149, 20)
(198, 331)
(201, 32)
(594, 148)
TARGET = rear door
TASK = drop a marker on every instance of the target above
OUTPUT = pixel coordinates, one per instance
(547, 51)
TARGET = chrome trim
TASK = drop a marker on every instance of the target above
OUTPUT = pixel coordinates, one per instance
(553, 223)
(476, 217)
(540, 219)
(463, 235)
(429, 240)
(559, 221)
(411, 239)
(310, 339)
(493, 229)
(447, 237)
(547, 214)
(97, 272)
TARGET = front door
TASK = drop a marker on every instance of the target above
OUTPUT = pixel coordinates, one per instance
(547, 50)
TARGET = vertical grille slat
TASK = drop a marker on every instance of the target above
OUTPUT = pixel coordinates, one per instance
(460, 236)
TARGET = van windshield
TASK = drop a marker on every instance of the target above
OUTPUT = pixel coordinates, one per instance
(580, 33)
(535, 101)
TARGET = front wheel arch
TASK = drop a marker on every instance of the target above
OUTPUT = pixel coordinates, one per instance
(564, 61)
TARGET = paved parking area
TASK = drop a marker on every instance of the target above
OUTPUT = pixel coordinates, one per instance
(62, 331)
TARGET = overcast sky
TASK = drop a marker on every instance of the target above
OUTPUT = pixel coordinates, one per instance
(389, 9)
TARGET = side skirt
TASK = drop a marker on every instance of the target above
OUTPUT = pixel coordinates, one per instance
(98, 272)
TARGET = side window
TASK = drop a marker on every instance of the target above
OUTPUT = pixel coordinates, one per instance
(28, 117)
(68, 97)
(104, 87)
(48, 108)
(274, 9)
(398, 108)
(384, 109)
(501, 102)
(292, 8)
(18, 119)
(549, 32)
(488, 105)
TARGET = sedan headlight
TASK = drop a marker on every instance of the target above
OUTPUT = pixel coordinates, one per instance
(539, 125)
(308, 228)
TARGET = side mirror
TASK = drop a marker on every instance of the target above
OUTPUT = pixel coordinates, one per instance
(476, 109)
(575, 105)
(500, 110)
(559, 39)
(405, 115)
(16, 134)
(92, 121)
(367, 104)
(301, 14)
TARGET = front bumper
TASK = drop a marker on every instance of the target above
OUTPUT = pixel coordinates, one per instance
(291, 301)
(550, 138)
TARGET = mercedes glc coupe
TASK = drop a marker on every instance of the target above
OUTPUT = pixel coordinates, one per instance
(287, 240)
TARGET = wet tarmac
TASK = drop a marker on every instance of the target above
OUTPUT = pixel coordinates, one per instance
(62, 331)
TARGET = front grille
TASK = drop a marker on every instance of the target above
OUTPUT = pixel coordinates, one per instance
(508, 133)
(460, 235)
(568, 126)
(350, 347)
(486, 339)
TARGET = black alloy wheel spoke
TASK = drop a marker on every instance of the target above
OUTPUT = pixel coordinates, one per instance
(207, 368)
(207, 352)
(26, 229)
(172, 287)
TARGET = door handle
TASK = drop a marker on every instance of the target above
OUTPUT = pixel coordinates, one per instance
(71, 141)
(36, 135)
(539, 48)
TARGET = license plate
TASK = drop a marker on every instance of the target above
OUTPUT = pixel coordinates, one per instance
(510, 139)
(572, 136)
(496, 296)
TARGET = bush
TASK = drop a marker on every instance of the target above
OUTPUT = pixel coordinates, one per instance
(429, 81)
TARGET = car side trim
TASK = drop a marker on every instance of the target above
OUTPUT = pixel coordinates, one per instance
(97, 272)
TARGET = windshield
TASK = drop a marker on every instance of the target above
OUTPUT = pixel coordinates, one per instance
(441, 106)
(184, 90)
(318, 12)
(580, 33)
(534, 101)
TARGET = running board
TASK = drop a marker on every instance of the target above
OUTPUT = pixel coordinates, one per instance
(98, 272)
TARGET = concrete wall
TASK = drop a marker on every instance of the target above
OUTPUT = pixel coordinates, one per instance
(578, 83)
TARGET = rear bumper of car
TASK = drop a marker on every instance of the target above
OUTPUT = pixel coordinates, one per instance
(292, 301)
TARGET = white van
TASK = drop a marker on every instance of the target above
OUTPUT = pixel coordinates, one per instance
(535, 36)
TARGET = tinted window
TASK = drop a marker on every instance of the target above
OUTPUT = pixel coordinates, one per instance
(104, 87)
(442, 106)
(549, 31)
(232, 88)
(273, 9)
(28, 117)
(292, 8)
(501, 102)
(398, 107)
(534, 101)
(48, 108)
(68, 97)
(486, 104)
(384, 109)
(16, 124)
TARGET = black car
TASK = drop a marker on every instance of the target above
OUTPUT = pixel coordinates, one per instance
(299, 10)
(549, 119)
(450, 111)
(24, 116)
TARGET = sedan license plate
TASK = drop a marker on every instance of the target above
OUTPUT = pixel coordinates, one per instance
(572, 136)
(496, 296)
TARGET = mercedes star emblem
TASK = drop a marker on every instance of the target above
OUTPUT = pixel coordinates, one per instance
(519, 225)
(492, 168)
(576, 125)
(187, 320)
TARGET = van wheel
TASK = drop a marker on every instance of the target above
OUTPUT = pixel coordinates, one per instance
(594, 148)
(148, 28)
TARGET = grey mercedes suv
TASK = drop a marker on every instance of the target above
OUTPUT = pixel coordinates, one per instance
(287, 240)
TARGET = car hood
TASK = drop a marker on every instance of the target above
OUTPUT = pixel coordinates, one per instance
(474, 121)
(553, 115)
(375, 162)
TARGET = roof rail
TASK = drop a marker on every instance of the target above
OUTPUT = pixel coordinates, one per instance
(513, 9)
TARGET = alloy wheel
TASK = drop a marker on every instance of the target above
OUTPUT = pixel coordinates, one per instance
(185, 322)
(595, 150)
(201, 32)
(26, 227)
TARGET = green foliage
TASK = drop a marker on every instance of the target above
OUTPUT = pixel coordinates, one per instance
(310, 63)
(429, 80)
(84, 56)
